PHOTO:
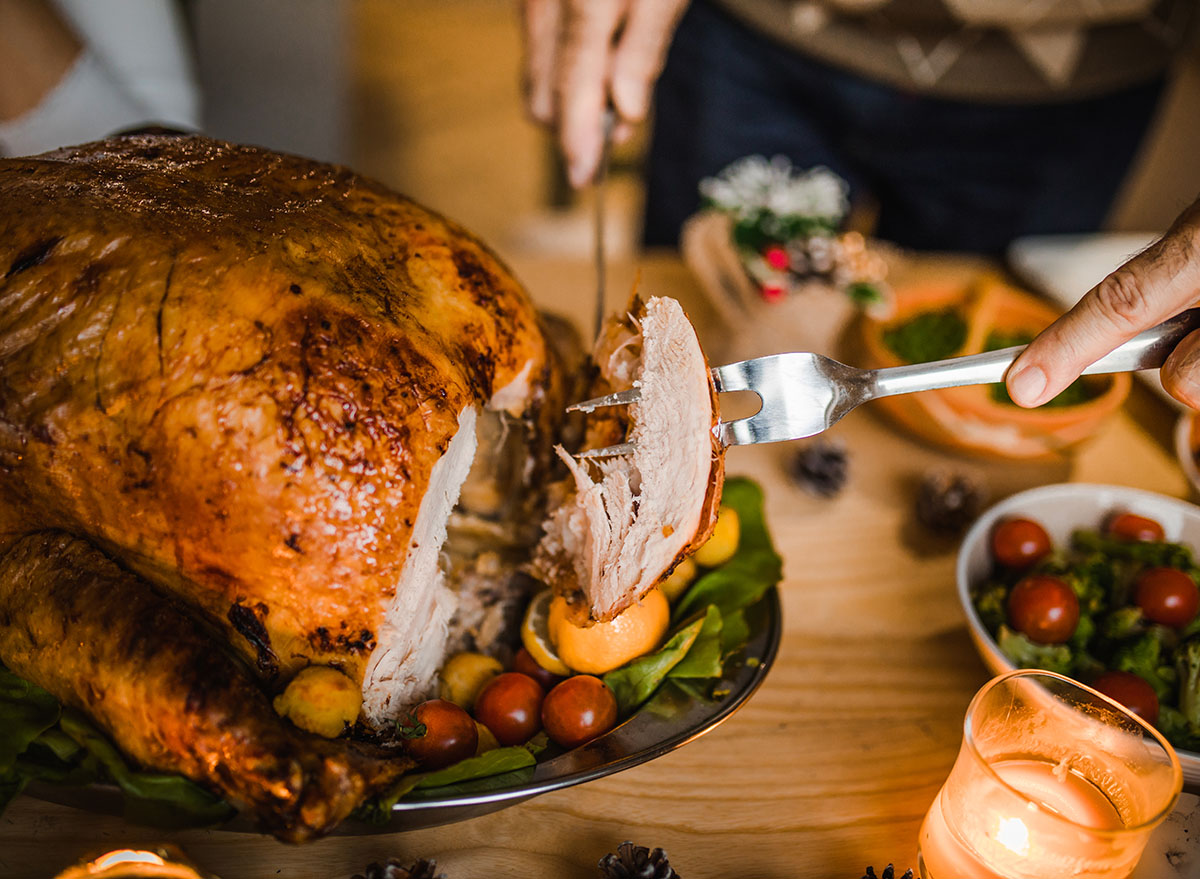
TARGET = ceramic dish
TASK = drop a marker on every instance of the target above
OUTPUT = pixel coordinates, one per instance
(669, 720)
(1061, 509)
(971, 419)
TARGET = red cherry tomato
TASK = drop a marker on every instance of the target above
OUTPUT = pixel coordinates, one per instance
(1130, 690)
(450, 734)
(1043, 608)
(1020, 543)
(527, 665)
(510, 705)
(1167, 596)
(1128, 526)
(578, 710)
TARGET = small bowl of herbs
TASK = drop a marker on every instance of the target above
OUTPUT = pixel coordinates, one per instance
(954, 318)
(1099, 583)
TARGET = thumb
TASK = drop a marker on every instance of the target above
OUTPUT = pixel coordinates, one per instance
(1154, 285)
(1181, 373)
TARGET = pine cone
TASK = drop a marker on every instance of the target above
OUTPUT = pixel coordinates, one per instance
(948, 502)
(636, 862)
(888, 873)
(393, 869)
(821, 468)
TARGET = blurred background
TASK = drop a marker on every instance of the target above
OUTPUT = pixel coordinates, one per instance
(425, 96)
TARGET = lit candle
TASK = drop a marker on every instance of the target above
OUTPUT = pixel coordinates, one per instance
(1053, 779)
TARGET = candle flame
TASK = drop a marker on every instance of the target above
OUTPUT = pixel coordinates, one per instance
(1013, 835)
(125, 856)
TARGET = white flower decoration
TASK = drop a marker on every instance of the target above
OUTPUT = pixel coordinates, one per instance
(753, 184)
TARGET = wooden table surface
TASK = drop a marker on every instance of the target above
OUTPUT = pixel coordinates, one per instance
(828, 768)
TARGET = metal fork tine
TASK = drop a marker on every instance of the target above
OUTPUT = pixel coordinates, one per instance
(621, 398)
(609, 451)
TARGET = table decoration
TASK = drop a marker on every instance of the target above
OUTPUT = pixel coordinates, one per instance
(771, 247)
(821, 467)
(948, 501)
(161, 862)
(1052, 779)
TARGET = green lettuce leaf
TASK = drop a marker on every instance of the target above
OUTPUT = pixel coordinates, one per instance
(634, 682)
(26, 711)
(1026, 654)
(152, 798)
(754, 568)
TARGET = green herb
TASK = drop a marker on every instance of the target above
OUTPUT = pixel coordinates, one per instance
(930, 335)
(864, 293)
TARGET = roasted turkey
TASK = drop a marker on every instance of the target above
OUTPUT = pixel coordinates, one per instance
(259, 413)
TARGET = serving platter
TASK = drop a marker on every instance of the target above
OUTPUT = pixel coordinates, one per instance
(671, 718)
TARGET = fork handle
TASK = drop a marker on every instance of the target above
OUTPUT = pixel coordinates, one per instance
(1147, 350)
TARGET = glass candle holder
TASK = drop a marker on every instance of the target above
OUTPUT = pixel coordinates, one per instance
(1052, 780)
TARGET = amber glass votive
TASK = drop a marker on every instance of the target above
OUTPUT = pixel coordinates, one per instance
(1052, 780)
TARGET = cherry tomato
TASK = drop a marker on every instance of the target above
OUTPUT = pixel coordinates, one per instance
(578, 710)
(1020, 543)
(510, 705)
(1167, 596)
(1130, 690)
(1128, 526)
(450, 734)
(1043, 608)
(527, 665)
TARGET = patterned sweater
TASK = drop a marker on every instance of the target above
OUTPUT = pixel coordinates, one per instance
(988, 50)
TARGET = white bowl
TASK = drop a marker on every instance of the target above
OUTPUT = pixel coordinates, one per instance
(1184, 452)
(1061, 509)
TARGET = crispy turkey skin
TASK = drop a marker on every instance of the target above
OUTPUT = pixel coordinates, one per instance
(151, 678)
(237, 372)
(258, 413)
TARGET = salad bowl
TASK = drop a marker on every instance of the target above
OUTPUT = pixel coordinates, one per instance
(1062, 509)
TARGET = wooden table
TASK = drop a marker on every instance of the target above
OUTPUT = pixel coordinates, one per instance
(830, 766)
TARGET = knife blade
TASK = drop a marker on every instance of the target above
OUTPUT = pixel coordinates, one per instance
(598, 188)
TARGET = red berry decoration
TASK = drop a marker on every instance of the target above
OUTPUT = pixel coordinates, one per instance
(1129, 526)
(527, 665)
(772, 292)
(449, 734)
(1044, 608)
(1130, 690)
(1020, 543)
(777, 257)
(1167, 596)
(510, 705)
(578, 710)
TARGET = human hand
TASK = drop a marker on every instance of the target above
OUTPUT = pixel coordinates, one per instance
(37, 48)
(582, 54)
(1156, 284)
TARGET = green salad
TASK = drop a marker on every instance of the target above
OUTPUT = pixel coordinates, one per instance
(40, 740)
(1116, 608)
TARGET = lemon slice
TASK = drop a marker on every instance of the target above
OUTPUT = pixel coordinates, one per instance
(535, 635)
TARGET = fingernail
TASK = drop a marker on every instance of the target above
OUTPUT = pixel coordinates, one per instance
(580, 173)
(1027, 386)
